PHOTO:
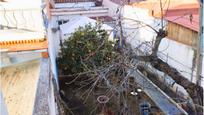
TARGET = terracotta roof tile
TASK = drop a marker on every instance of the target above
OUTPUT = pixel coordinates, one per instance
(185, 15)
(177, 11)
(154, 5)
(24, 45)
(21, 40)
(185, 22)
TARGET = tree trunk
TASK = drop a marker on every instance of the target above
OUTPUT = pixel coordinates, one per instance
(195, 91)
(160, 35)
(170, 87)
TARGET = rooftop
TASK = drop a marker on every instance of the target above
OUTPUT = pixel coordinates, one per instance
(184, 15)
(154, 5)
(18, 93)
(175, 11)
(7, 35)
(14, 4)
(21, 26)
(21, 40)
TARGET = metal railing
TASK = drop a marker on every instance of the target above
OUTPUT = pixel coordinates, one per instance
(125, 2)
(26, 19)
(73, 1)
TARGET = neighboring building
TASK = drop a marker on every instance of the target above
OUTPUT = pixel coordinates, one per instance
(181, 20)
(80, 21)
(61, 12)
(183, 27)
(25, 67)
(31, 34)
(183, 24)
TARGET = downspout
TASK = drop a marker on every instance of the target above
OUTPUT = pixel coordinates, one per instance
(200, 46)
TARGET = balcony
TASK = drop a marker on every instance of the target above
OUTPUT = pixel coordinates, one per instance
(21, 28)
(73, 1)
(89, 8)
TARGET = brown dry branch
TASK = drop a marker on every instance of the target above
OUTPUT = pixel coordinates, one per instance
(195, 91)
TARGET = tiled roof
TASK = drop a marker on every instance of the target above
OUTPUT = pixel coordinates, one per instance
(176, 11)
(154, 5)
(20, 40)
(185, 21)
(184, 15)
(26, 45)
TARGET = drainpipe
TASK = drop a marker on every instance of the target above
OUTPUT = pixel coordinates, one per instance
(200, 46)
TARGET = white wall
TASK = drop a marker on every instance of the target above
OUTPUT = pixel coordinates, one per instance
(51, 99)
(23, 14)
(9, 59)
(136, 33)
(111, 6)
(53, 44)
(85, 5)
(81, 21)
(180, 56)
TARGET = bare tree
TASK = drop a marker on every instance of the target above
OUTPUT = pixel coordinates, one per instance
(195, 91)
(115, 78)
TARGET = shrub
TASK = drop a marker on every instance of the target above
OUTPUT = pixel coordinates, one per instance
(87, 48)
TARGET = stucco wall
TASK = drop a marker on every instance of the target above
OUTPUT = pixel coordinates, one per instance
(22, 14)
(111, 6)
(174, 53)
(53, 45)
(179, 56)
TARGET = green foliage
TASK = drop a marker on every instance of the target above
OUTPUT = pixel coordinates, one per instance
(87, 48)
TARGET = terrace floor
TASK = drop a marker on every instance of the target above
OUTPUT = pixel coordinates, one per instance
(19, 85)
(19, 34)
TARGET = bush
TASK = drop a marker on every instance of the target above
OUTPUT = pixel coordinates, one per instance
(87, 48)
